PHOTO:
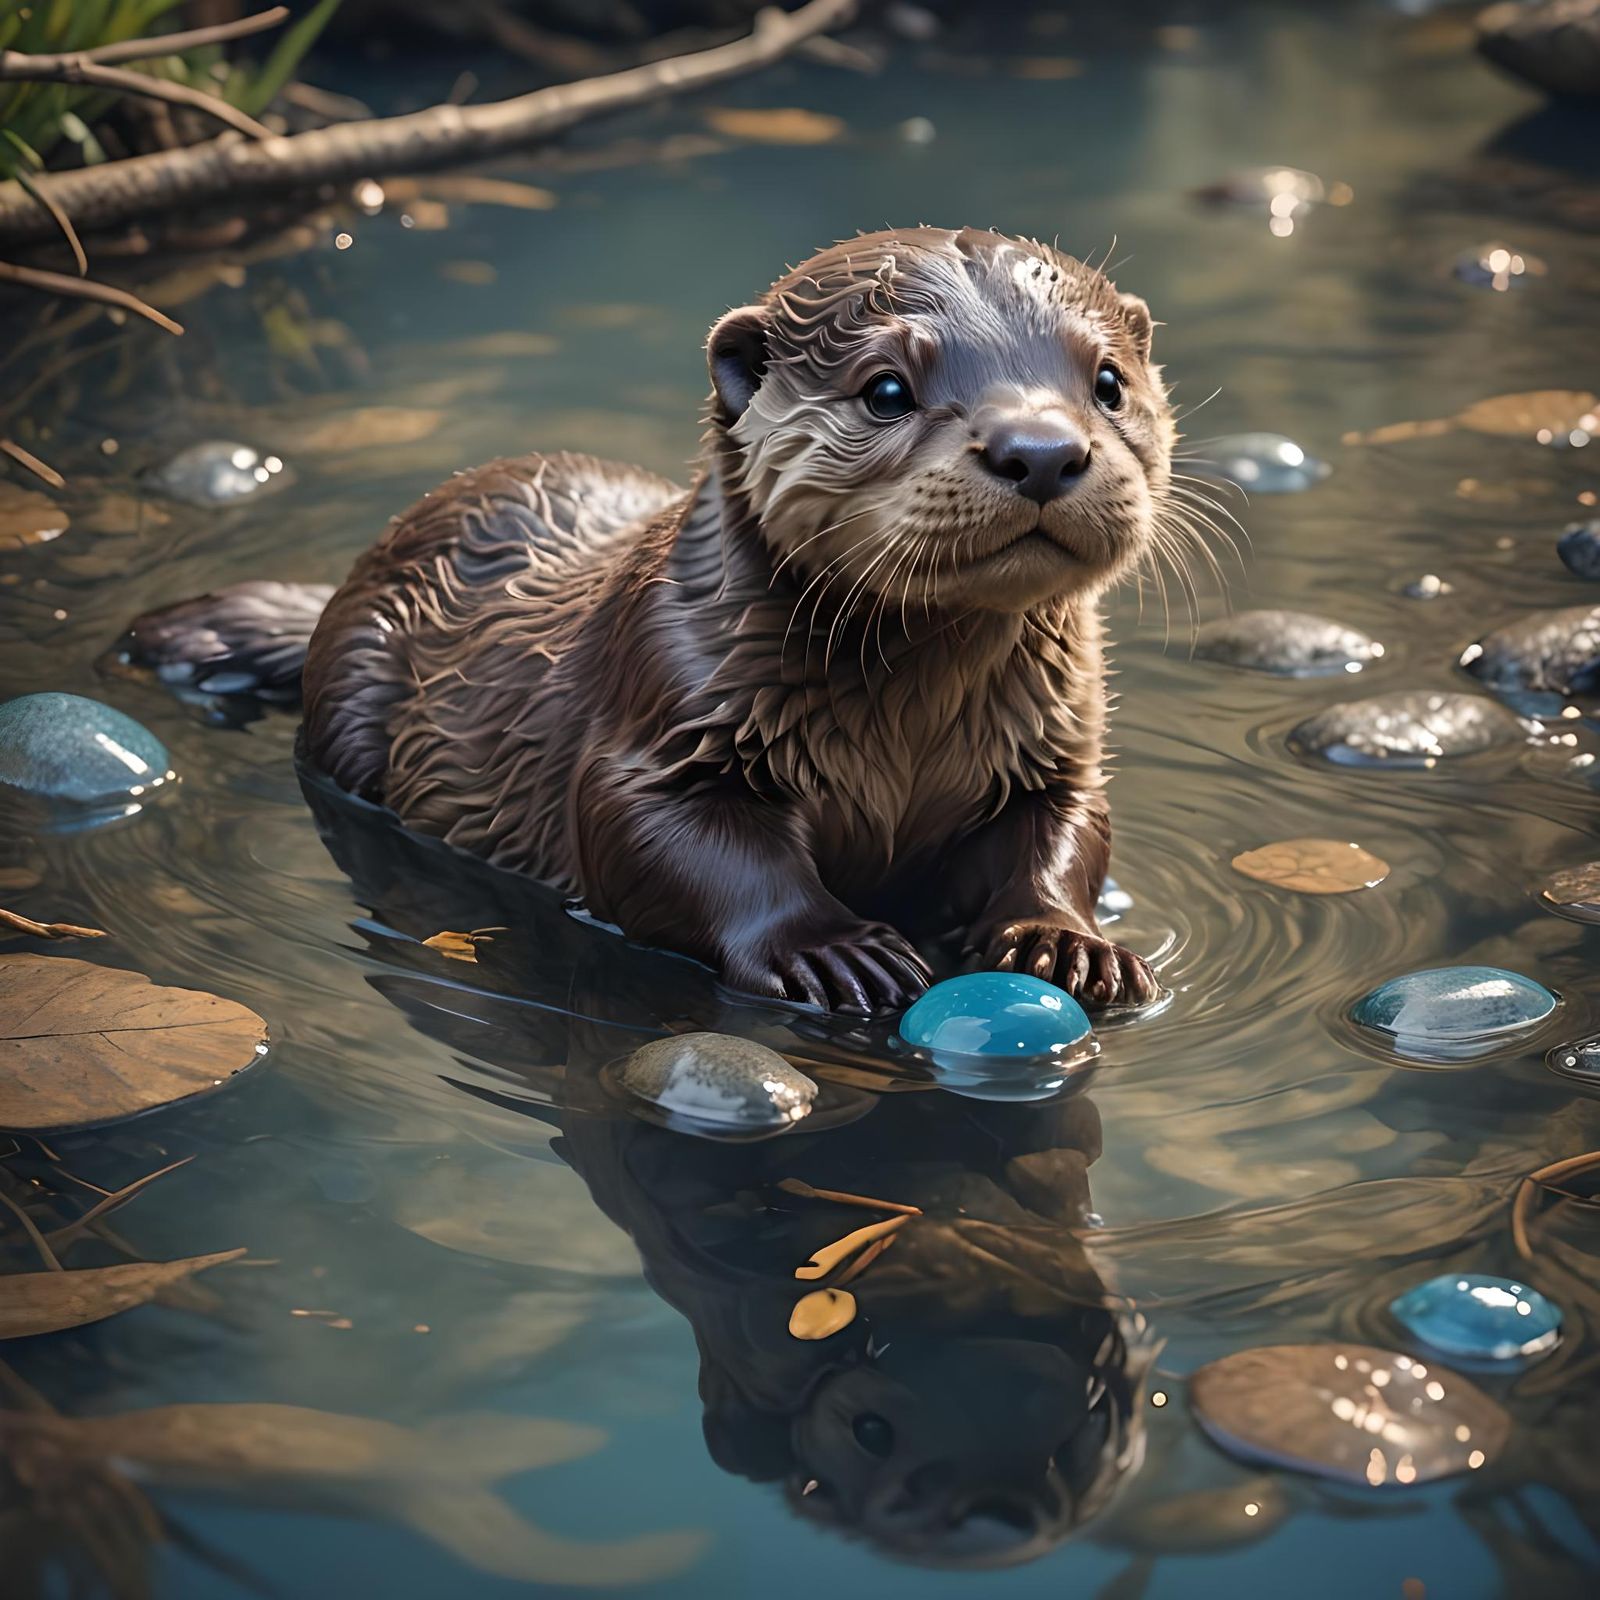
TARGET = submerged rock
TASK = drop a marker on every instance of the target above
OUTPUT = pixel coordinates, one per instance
(219, 472)
(1453, 1013)
(1553, 651)
(63, 747)
(1579, 548)
(1479, 1318)
(715, 1077)
(1348, 1412)
(1410, 728)
(1574, 892)
(1553, 44)
(1292, 644)
(1262, 463)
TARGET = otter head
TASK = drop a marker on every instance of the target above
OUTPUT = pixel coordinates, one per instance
(956, 421)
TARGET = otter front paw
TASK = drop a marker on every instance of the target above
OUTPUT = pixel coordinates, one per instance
(1089, 968)
(861, 970)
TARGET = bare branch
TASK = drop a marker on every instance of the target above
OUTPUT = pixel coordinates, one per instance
(172, 44)
(26, 458)
(84, 289)
(118, 191)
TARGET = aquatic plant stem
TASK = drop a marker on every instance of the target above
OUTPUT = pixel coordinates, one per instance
(116, 192)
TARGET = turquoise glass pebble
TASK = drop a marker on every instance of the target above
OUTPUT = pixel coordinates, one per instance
(1479, 1318)
(63, 747)
(1454, 1011)
(996, 1016)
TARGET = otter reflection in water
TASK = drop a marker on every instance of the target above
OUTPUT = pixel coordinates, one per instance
(984, 1400)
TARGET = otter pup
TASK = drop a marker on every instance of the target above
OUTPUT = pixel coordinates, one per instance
(844, 691)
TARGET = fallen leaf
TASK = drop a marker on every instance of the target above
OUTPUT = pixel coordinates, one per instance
(779, 125)
(119, 514)
(82, 1044)
(822, 1313)
(461, 946)
(13, 922)
(1399, 432)
(46, 1302)
(528, 1213)
(490, 192)
(1313, 866)
(16, 878)
(27, 517)
(371, 425)
(1547, 411)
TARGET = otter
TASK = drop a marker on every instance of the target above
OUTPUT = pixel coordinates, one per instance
(843, 695)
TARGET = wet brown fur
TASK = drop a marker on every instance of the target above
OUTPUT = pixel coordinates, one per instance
(738, 730)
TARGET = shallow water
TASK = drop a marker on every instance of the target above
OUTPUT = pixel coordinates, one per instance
(426, 1155)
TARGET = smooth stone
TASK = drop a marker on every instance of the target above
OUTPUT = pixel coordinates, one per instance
(1453, 1012)
(219, 472)
(1499, 267)
(1262, 463)
(1580, 1059)
(1313, 866)
(1554, 45)
(1478, 1318)
(715, 1077)
(1349, 1412)
(1409, 728)
(1557, 652)
(66, 747)
(1003, 1016)
(1292, 644)
(1430, 586)
(1574, 892)
(1579, 548)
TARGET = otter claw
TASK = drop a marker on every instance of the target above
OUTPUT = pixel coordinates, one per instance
(1088, 967)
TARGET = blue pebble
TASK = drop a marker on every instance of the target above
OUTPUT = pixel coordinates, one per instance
(62, 747)
(1000, 1016)
(1479, 1318)
(1261, 463)
(1454, 1011)
(1579, 548)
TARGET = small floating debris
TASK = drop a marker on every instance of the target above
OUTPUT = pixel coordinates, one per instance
(1262, 463)
(1409, 728)
(1573, 892)
(66, 748)
(822, 1313)
(1314, 866)
(1580, 1059)
(1557, 652)
(1579, 548)
(775, 124)
(219, 472)
(717, 1078)
(1499, 267)
(1348, 1412)
(1479, 1318)
(1445, 1014)
(1430, 586)
(1290, 644)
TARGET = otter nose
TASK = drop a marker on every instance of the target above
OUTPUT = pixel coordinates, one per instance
(1040, 456)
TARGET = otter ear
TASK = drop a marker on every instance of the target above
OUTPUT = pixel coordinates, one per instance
(1141, 328)
(737, 355)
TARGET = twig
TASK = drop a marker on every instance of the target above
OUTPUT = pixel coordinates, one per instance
(118, 191)
(17, 923)
(60, 1238)
(40, 1243)
(806, 1191)
(28, 459)
(84, 289)
(61, 220)
(15, 67)
(172, 44)
(1528, 1190)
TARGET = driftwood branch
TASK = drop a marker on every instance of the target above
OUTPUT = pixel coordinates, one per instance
(84, 289)
(16, 67)
(226, 169)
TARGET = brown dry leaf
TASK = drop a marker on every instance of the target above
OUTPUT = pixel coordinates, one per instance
(1047, 69)
(28, 517)
(1399, 432)
(46, 1302)
(82, 1044)
(17, 878)
(1548, 411)
(123, 514)
(822, 1313)
(1510, 492)
(13, 923)
(371, 425)
(490, 192)
(1314, 866)
(461, 946)
(779, 125)
(474, 274)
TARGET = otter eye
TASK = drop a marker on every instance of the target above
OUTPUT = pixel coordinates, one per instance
(873, 1434)
(1108, 387)
(888, 397)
